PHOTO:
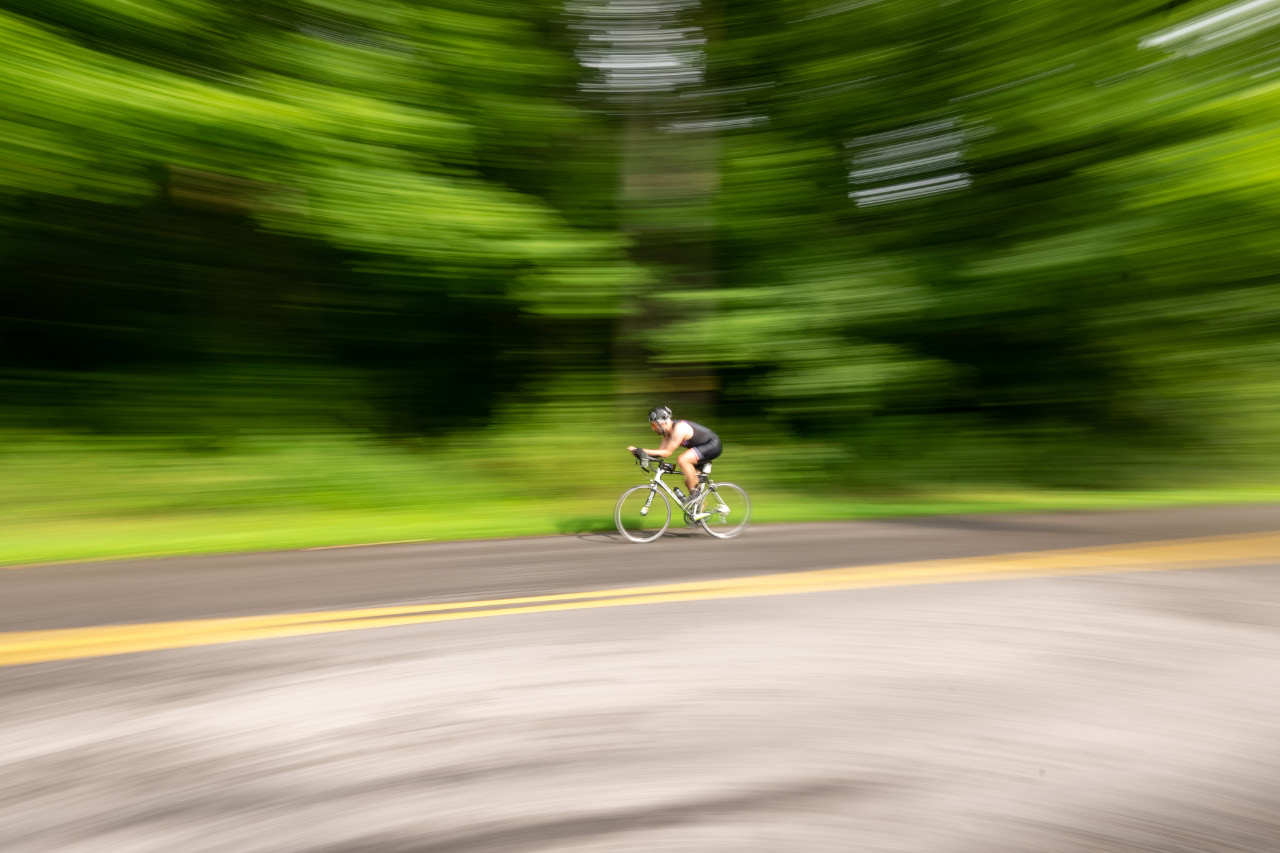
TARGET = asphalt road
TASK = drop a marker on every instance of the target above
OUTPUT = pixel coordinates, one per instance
(877, 686)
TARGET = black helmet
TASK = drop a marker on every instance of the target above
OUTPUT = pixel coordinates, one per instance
(659, 413)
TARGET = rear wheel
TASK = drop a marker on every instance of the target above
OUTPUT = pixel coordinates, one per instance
(643, 514)
(729, 508)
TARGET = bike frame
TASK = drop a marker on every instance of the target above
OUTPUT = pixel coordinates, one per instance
(704, 480)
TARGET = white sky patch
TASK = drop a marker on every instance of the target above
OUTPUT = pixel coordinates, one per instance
(639, 46)
(911, 189)
(909, 162)
(914, 148)
(909, 167)
(1231, 24)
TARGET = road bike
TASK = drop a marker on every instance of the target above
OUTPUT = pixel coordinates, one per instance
(643, 512)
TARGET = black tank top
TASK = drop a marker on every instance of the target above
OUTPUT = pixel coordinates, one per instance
(701, 435)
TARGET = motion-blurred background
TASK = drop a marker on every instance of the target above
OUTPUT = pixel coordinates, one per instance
(293, 271)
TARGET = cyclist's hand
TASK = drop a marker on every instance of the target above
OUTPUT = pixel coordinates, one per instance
(631, 448)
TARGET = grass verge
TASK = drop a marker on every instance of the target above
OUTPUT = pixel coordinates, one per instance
(73, 498)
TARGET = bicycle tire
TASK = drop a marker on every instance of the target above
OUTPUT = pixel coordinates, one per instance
(639, 528)
(733, 503)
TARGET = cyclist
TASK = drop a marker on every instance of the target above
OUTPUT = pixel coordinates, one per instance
(703, 444)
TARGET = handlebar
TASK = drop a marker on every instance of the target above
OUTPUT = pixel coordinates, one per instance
(645, 459)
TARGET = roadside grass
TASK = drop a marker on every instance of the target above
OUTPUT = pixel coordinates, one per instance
(67, 498)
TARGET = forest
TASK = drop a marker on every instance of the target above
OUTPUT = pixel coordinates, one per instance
(296, 254)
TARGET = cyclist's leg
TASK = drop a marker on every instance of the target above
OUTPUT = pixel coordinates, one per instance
(689, 462)
(699, 454)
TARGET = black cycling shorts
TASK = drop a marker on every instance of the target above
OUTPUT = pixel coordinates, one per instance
(708, 451)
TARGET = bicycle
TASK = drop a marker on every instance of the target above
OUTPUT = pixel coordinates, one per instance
(643, 512)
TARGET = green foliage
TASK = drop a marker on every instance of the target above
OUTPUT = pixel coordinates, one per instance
(1078, 235)
(992, 235)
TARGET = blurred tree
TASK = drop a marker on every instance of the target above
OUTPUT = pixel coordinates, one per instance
(366, 185)
(887, 223)
(1014, 215)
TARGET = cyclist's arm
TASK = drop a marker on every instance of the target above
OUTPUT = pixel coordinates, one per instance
(669, 444)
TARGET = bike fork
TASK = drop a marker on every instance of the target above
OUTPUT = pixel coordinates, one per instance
(644, 510)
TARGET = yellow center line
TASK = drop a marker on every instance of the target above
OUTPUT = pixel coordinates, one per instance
(62, 644)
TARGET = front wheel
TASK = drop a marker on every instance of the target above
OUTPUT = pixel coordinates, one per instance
(729, 508)
(643, 514)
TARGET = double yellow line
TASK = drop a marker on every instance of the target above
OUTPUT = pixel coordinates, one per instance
(63, 644)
